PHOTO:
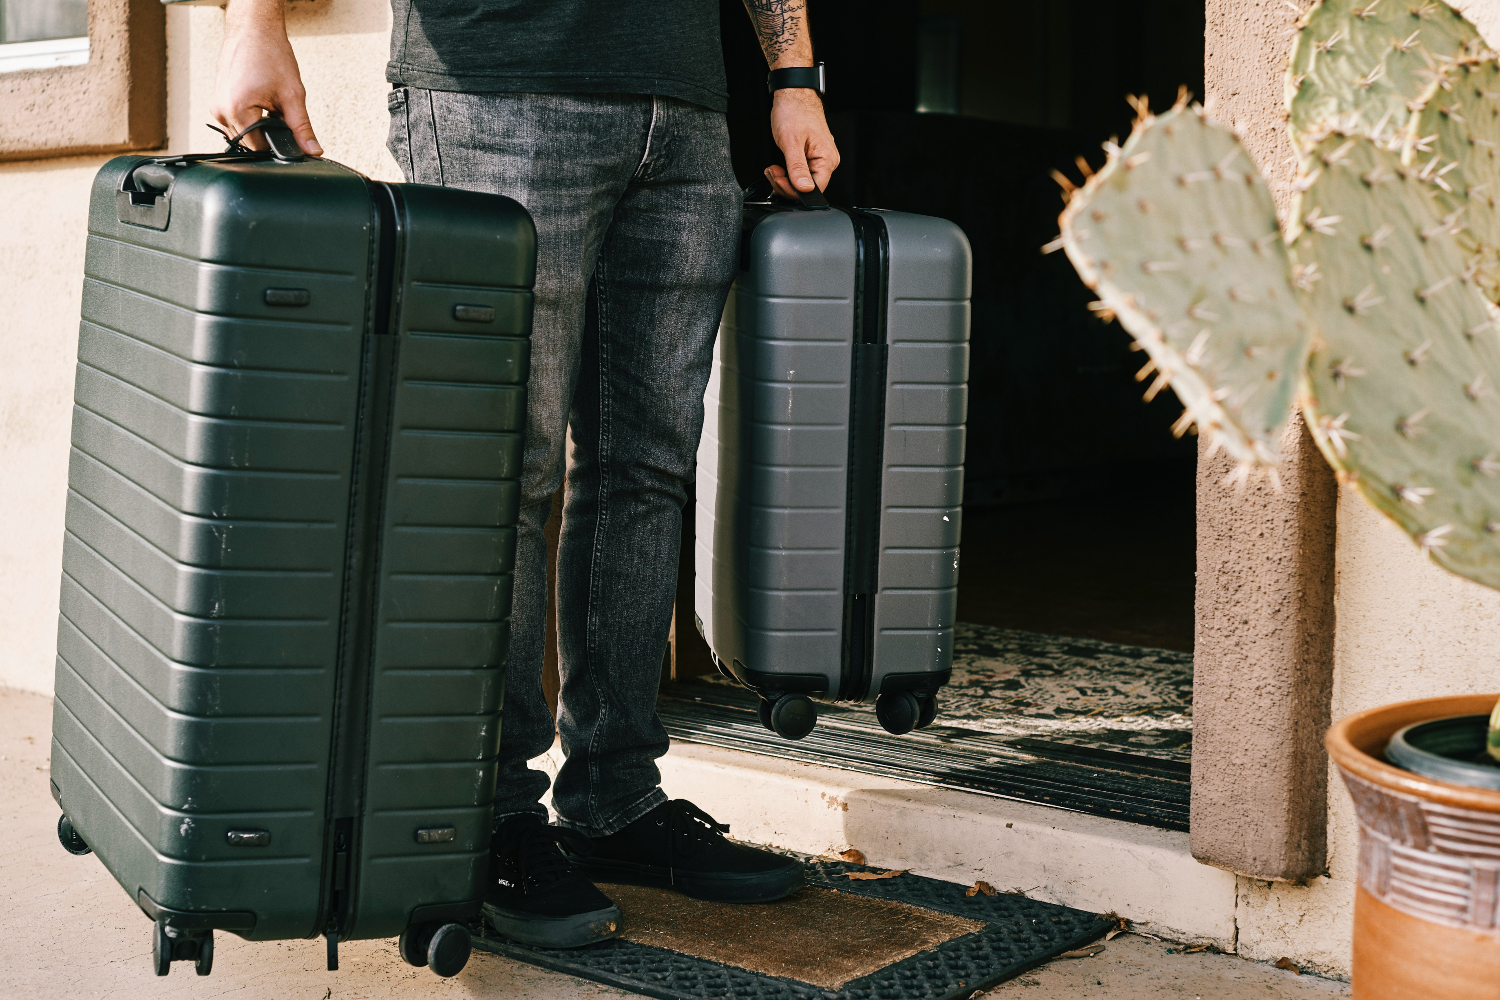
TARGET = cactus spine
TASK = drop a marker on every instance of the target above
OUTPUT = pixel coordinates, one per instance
(1400, 389)
(1366, 63)
(1178, 236)
(1394, 260)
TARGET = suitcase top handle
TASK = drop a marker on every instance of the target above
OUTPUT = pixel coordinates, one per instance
(760, 193)
(144, 198)
(278, 135)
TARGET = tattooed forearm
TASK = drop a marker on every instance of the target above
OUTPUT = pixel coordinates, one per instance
(781, 25)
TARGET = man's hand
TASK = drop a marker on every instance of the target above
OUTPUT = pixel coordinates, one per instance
(801, 131)
(258, 73)
(797, 122)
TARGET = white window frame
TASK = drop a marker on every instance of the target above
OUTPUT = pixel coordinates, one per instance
(47, 53)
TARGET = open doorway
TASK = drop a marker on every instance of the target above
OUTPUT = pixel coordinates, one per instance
(1075, 600)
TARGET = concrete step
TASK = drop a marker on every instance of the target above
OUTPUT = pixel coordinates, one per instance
(1142, 873)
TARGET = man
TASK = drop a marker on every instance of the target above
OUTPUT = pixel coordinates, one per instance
(605, 119)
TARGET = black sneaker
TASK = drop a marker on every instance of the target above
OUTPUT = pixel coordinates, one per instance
(679, 846)
(536, 896)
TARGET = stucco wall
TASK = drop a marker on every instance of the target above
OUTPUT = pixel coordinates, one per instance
(342, 47)
(1405, 628)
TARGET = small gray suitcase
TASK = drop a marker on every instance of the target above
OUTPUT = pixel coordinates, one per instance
(830, 472)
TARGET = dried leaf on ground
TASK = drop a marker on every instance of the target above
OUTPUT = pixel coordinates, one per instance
(854, 856)
(981, 887)
(1088, 952)
(1121, 925)
(871, 876)
(1287, 964)
(1193, 949)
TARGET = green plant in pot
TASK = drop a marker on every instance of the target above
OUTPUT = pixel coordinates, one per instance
(1373, 309)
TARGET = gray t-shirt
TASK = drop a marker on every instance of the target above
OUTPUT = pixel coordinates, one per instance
(665, 47)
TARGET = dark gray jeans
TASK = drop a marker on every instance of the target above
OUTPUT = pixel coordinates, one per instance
(636, 195)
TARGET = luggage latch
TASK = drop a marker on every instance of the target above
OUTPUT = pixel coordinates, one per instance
(248, 838)
(287, 296)
(474, 314)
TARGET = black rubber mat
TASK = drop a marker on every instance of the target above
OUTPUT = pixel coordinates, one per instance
(1020, 933)
(1145, 790)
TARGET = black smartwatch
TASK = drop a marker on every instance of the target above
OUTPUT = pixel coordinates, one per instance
(810, 77)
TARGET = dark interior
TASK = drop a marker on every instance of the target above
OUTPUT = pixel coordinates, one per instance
(1079, 504)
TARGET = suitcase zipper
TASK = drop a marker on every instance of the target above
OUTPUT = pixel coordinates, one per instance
(867, 389)
(352, 679)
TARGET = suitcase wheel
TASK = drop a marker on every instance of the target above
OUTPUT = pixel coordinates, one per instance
(448, 951)
(444, 948)
(412, 946)
(792, 716)
(765, 714)
(899, 712)
(172, 944)
(68, 837)
(204, 963)
(929, 711)
(161, 949)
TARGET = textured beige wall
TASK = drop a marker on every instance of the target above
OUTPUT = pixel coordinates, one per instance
(1263, 642)
(43, 218)
(113, 102)
(342, 46)
(1404, 628)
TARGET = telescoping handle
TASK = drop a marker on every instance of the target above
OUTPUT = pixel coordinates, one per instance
(761, 193)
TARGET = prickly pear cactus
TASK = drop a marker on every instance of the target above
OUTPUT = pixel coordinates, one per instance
(1402, 380)
(1492, 744)
(1178, 236)
(1456, 144)
(1358, 63)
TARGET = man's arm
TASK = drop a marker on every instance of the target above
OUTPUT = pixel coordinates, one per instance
(258, 72)
(797, 122)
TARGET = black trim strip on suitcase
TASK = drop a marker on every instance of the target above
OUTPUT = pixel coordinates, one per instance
(352, 674)
(867, 388)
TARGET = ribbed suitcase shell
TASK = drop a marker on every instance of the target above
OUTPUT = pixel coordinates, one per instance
(286, 573)
(773, 532)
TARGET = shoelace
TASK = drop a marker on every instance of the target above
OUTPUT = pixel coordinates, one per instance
(538, 854)
(688, 828)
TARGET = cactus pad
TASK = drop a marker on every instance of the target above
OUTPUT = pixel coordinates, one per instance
(1402, 381)
(1178, 236)
(1356, 63)
(1457, 146)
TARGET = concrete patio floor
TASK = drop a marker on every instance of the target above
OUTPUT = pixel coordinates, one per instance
(70, 931)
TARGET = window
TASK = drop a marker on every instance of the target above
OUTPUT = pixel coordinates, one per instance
(81, 76)
(41, 34)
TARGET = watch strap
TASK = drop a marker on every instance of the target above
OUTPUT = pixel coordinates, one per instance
(810, 77)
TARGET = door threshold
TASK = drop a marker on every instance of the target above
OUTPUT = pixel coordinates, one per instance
(1132, 788)
(1143, 873)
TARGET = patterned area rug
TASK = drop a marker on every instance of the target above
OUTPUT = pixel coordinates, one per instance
(1007, 682)
(1015, 683)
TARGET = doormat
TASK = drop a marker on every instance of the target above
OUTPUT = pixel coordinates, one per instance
(839, 938)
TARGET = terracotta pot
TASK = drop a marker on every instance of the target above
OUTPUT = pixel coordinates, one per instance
(1425, 913)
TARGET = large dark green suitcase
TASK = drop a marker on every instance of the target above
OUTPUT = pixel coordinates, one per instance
(286, 584)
